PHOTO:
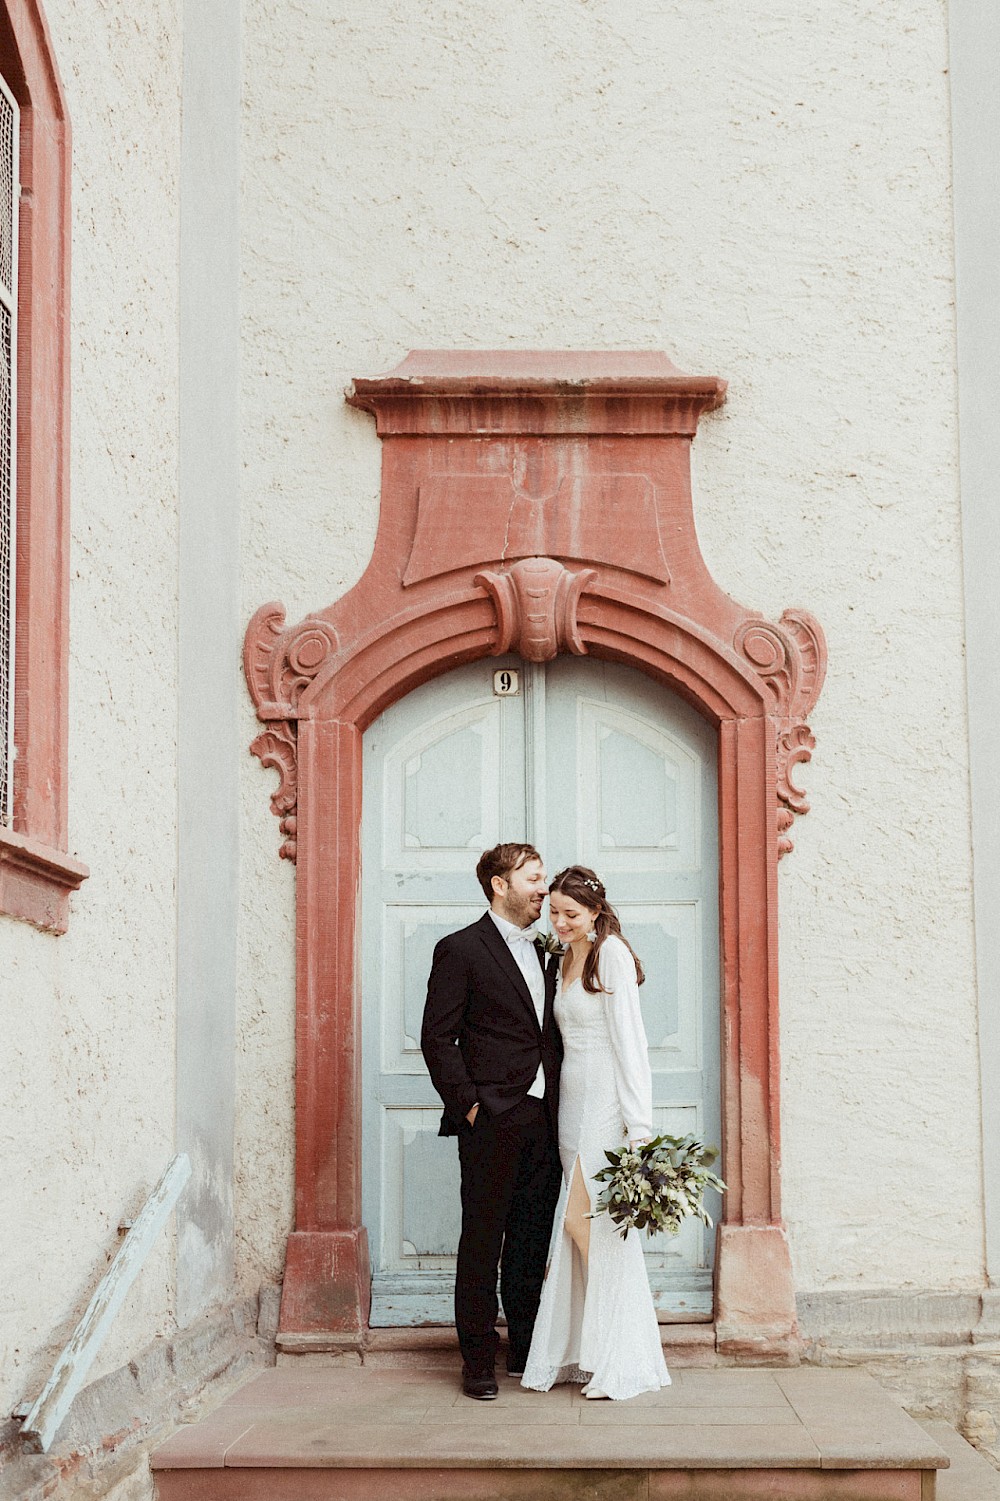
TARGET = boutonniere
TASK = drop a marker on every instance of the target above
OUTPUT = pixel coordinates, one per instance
(549, 943)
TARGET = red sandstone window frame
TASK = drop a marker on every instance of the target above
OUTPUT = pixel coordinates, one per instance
(37, 873)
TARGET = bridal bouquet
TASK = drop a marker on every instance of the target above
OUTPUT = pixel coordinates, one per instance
(655, 1186)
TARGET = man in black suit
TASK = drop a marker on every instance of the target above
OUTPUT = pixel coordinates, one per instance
(493, 1050)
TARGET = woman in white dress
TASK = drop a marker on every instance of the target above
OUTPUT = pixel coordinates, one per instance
(596, 1322)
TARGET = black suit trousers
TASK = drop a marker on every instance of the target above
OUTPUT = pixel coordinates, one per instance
(510, 1183)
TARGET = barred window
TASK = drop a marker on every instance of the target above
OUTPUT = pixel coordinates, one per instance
(9, 192)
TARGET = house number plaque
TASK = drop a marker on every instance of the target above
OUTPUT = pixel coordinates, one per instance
(506, 682)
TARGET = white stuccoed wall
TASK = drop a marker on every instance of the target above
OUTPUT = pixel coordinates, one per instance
(87, 1111)
(760, 193)
(764, 193)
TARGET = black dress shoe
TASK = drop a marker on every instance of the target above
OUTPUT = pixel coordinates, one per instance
(484, 1388)
(516, 1362)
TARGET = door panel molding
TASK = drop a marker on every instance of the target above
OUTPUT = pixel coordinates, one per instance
(534, 421)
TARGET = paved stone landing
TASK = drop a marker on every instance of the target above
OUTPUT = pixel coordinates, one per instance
(320, 1434)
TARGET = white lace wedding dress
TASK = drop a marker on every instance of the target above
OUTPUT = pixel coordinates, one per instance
(600, 1329)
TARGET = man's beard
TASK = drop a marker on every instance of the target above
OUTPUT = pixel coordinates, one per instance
(520, 910)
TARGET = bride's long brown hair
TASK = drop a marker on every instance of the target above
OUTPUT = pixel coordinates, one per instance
(582, 886)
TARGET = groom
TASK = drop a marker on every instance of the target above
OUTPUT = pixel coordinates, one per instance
(493, 1050)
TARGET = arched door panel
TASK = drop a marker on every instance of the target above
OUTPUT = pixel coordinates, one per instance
(593, 762)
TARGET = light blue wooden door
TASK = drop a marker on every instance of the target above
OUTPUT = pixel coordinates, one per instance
(631, 791)
(444, 779)
(593, 762)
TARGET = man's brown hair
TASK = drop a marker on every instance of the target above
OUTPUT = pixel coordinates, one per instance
(502, 860)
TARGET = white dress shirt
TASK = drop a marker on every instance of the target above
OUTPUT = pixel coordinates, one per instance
(521, 942)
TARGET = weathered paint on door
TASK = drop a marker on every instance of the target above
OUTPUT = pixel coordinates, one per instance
(593, 762)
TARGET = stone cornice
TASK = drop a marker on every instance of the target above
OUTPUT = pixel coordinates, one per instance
(436, 392)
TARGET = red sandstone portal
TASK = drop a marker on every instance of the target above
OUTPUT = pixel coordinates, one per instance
(535, 503)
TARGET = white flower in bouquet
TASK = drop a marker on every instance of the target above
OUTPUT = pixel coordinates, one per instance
(656, 1186)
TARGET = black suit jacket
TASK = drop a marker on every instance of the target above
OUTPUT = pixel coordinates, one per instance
(480, 1037)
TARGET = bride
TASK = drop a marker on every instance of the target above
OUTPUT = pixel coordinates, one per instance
(596, 1322)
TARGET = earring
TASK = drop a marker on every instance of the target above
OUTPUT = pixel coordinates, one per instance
(592, 936)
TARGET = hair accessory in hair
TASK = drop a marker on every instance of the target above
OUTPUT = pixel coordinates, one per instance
(594, 885)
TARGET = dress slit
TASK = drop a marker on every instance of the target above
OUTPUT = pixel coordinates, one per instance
(577, 1195)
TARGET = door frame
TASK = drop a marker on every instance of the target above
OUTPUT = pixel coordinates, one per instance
(533, 503)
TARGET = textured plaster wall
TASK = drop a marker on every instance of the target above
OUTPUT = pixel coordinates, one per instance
(763, 191)
(87, 1109)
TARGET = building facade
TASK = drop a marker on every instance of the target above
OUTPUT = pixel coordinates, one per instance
(262, 209)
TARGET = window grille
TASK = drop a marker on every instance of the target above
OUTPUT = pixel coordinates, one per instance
(9, 193)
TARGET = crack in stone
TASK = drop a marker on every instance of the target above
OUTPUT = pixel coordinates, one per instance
(510, 518)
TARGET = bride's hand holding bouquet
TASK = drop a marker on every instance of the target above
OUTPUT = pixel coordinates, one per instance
(655, 1185)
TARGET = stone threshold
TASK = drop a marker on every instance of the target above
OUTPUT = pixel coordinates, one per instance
(304, 1431)
(683, 1344)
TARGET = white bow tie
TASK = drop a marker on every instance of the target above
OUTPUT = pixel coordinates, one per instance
(526, 935)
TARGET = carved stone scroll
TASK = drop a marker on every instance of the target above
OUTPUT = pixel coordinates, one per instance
(278, 665)
(277, 746)
(536, 603)
(791, 658)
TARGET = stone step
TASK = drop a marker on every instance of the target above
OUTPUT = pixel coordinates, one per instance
(437, 1347)
(969, 1477)
(304, 1432)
